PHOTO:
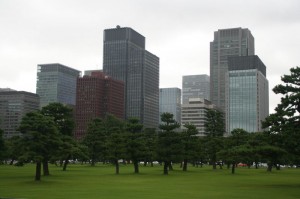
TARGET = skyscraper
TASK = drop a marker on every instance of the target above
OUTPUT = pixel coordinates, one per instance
(227, 42)
(170, 101)
(56, 83)
(97, 95)
(13, 107)
(195, 86)
(247, 93)
(125, 58)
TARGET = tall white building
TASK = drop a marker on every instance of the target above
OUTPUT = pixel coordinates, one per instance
(247, 93)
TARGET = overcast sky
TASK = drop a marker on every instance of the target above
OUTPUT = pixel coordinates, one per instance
(70, 32)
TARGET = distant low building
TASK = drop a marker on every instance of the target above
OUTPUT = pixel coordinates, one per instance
(194, 113)
(13, 107)
(97, 95)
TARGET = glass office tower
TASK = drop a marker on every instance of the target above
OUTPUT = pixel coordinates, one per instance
(227, 42)
(195, 86)
(125, 58)
(247, 93)
(170, 102)
(56, 83)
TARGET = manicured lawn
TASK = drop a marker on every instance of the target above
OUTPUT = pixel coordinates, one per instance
(83, 181)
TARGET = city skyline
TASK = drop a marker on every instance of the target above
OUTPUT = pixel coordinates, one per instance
(71, 33)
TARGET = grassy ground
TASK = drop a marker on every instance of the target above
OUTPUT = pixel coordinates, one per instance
(83, 181)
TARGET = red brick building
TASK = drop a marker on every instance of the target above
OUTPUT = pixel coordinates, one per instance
(96, 96)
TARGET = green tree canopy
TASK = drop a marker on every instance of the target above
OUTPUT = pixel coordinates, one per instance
(286, 119)
(63, 118)
(40, 138)
(189, 140)
(214, 129)
(169, 145)
(135, 144)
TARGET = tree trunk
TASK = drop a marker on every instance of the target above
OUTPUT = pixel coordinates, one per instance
(256, 165)
(117, 167)
(61, 162)
(145, 163)
(45, 168)
(214, 160)
(136, 166)
(38, 171)
(166, 165)
(170, 166)
(151, 163)
(270, 165)
(11, 162)
(228, 165)
(277, 167)
(221, 165)
(184, 165)
(93, 162)
(233, 168)
(66, 163)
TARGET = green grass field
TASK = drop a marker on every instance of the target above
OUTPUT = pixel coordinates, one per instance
(84, 181)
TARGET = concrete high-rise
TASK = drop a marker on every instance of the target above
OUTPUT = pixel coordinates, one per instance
(170, 101)
(195, 113)
(56, 83)
(195, 86)
(247, 93)
(226, 43)
(97, 95)
(125, 58)
(13, 107)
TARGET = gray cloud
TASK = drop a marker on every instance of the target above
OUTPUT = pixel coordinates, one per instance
(179, 32)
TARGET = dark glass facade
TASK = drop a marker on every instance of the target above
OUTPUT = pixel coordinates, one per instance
(247, 94)
(125, 59)
(170, 102)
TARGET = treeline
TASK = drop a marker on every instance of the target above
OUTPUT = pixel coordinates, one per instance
(47, 138)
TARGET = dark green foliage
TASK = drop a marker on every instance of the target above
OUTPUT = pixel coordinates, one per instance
(40, 139)
(63, 118)
(214, 123)
(273, 155)
(116, 140)
(150, 144)
(189, 141)
(214, 130)
(286, 120)
(13, 145)
(96, 140)
(135, 142)
(169, 145)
